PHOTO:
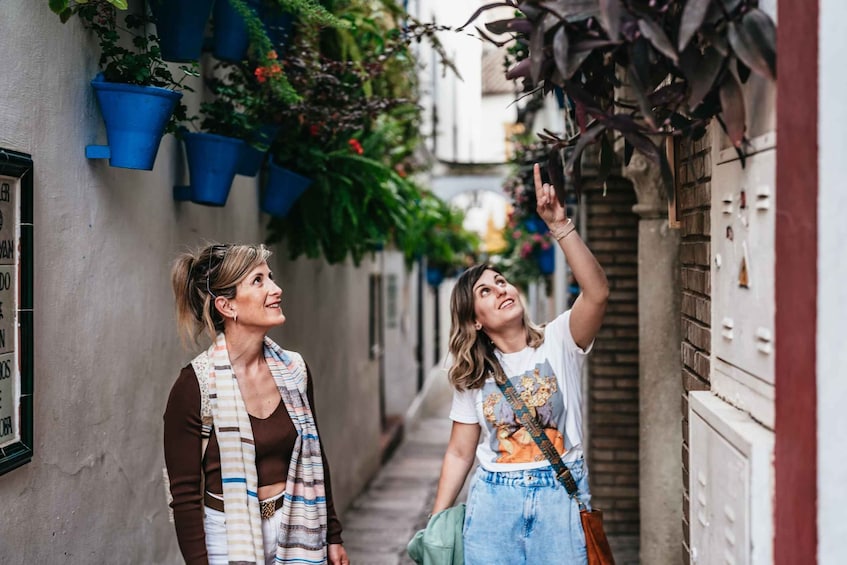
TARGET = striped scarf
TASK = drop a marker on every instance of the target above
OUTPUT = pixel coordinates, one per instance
(302, 535)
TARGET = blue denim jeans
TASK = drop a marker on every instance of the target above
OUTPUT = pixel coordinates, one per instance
(527, 517)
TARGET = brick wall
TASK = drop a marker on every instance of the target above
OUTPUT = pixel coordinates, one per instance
(613, 366)
(693, 189)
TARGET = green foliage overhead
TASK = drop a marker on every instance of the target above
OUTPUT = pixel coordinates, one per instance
(355, 132)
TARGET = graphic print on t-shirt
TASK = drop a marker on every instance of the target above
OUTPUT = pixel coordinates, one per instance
(509, 440)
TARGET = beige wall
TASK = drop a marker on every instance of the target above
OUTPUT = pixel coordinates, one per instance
(106, 350)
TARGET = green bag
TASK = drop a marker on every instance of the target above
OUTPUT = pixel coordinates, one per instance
(441, 542)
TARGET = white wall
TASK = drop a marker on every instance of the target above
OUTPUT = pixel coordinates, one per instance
(106, 350)
(400, 332)
(832, 292)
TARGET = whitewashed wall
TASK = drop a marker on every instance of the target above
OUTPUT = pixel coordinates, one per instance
(832, 293)
(400, 299)
(106, 350)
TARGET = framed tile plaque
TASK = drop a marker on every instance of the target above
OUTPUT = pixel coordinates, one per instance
(16, 312)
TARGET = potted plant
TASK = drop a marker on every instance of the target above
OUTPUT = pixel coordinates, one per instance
(354, 132)
(683, 62)
(435, 232)
(238, 24)
(227, 121)
(136, 91)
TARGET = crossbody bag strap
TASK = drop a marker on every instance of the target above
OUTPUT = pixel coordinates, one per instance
(563, 474)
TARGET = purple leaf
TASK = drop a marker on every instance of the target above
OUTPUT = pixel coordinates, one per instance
(700, 71)
(485, 8)
(753, 41)
(637, 82)
(576, 175)
(585, 138)
(692, 19)
(560, 52)
(521, 70)
(607, 159)
(570, 9)
(657, 36)
(575, 60)
(590, 44)
(581, 96)
(643, 145)
(536, 53)
(732, 108)
(490, 39)
(556, 173)
(611, 12)
(505, 26)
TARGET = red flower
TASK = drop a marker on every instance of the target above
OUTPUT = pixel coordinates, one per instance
(355, 146)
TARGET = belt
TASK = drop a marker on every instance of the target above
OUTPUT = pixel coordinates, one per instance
(267, 507)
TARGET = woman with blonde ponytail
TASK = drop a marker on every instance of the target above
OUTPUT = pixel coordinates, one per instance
(248, 476)
(517, 511)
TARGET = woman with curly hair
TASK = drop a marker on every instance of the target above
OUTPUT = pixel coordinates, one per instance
(517, 511)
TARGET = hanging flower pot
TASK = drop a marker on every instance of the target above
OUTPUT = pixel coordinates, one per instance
(534, 224)
(546, 259)
(434, 275)
(278, 26)
(283, 188)
(135, 118)
(212, 160)
(251, 156)
(230, 37)
(180, 25)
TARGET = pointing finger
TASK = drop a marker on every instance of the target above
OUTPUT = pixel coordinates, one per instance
(536, 172)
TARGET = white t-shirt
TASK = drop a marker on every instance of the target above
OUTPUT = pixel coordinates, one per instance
(547, 378)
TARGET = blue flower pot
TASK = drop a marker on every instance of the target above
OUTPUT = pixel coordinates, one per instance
(283, 188)
(547, 260)
(212, 160)
(252, 157)
(231, 39)
(180, 25)
(278, 26)
(434, 276)
(135, 119)
(534, 224)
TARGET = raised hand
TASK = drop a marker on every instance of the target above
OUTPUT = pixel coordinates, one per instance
(549, 208)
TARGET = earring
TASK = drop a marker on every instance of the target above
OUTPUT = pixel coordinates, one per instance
(235, 317)
(478, 326)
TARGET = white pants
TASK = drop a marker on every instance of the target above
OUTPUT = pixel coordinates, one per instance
(216, 546)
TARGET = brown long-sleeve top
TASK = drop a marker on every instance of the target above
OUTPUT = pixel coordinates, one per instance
(274, 437)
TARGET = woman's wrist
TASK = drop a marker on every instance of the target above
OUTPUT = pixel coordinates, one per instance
(561, 230)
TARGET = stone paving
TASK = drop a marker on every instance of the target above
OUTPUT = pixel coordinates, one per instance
(382, 520)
